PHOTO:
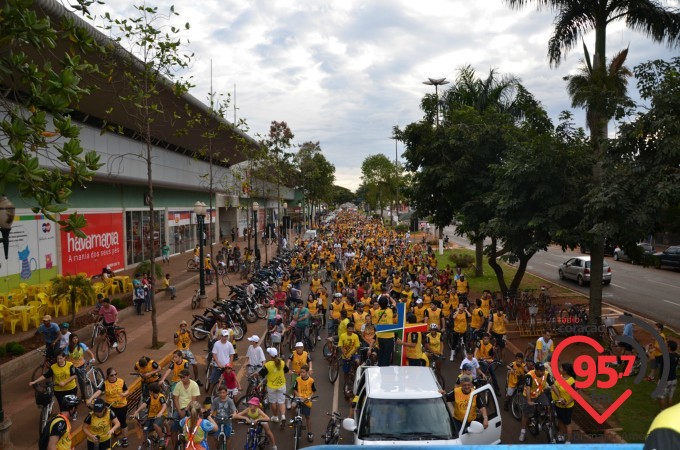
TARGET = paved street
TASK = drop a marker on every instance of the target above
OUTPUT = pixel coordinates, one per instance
(649, 292)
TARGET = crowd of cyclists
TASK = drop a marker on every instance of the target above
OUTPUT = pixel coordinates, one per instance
(357, 272)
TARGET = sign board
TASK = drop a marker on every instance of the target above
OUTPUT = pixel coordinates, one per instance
(103, 246)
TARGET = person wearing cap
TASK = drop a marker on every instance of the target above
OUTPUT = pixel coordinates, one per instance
(460, 397)
(115, 394)
(63, 374)
(255, 355)
(99, 425)
(275, 371)
(297, 359)
(222, 353)
(230, 380)
(419, 311)
(254, 413)
(535, 384)
(183, 341)
(64, 336)
(50, 332)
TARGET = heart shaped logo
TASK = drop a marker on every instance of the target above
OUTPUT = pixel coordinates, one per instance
(584, 365)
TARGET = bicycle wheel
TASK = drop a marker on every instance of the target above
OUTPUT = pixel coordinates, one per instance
(296, 436)
(89, 388)
(311, 340)
(102, 350)
(37, 373)
(333, 369)
(121, 338)
(225, 279)
(98, 378)
(192, 265)
(195, 300)
(327, 350)
(44, 417)
(221, 442)
(260, 311)
(610, 338)
(331, 436)
(146, 444)
(516, 406)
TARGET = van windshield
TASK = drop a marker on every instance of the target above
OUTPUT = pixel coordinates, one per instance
(406, 420)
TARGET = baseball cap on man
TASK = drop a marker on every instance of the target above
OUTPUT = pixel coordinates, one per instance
(467, 366)
(272, 352)
(299, 345)
(224, 332)
(47, 318)
(254, 338)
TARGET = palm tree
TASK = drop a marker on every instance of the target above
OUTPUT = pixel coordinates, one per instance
(574, 19)
(600, 93)
(495, 92)
(75, 287)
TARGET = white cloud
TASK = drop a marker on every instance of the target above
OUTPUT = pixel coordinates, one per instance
(345, 72)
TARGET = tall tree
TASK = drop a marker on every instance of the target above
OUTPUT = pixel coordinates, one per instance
(377, 172)
(573, 20)
(278, 141)
(317, 174)
(36, 105)
(158, 56)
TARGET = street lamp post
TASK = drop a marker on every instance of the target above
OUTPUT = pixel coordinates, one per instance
(7, 211)
(256, 207)
(286, 221)
(200, 210)
(436, 82)
(301, 218)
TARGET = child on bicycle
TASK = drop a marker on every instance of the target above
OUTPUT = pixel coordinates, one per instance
(304, 388)
(222, 410)
(157, 413)
(253, 413)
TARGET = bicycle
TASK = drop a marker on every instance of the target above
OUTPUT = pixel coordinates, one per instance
(333, 361)
(104, 346)
(435, 362)
(192, 264)
(196, 299)
(220, 420)
(544, 419)
(332, 434)
(257, 387)
(98, 329)
(150, 439)
(94, 378)
(44, 399)
(255, 437)
(296, 421)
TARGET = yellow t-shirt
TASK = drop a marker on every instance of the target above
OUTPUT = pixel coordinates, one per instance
(563, 394)
(348, 344)
(61, 374)
(498, 323)
(383, 317)
(276, 376)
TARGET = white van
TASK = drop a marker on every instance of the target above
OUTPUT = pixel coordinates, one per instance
(402, 405)
(309, 235)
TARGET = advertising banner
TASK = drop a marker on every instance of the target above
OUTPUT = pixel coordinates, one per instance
(32, 256)
(102, 247)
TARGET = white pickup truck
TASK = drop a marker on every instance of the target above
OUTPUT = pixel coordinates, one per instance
(402, 405)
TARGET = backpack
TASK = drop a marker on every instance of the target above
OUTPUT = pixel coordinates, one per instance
(45, 432)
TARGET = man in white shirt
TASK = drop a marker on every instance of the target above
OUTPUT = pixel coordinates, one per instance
(255, 355)
(222, 352)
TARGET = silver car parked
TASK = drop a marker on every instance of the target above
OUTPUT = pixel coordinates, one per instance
(578, 269)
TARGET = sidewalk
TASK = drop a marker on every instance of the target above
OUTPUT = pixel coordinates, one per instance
(18, 398)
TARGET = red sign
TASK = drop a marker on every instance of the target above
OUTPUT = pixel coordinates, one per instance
(102, 247)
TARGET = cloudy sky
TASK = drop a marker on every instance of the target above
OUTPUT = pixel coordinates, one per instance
(344, 72)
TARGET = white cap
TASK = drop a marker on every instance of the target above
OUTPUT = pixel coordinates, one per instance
(254, 338)
(272, 352)
(299, 345)
(419, 301)
(225, 333)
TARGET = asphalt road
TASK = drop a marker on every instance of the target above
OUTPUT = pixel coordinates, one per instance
(650, 292)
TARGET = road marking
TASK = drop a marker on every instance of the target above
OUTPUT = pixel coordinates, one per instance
(620, 287)
(551, 265)
(672, 303)
(665, 284)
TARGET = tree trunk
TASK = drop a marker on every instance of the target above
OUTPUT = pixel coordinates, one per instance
(479, 257)
(521, 270)
(498, 270)
(152, 225)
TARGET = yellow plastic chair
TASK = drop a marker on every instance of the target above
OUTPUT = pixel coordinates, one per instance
(99, 288)
(18, 296)
(31, 292)
(3, 299)
(111, 287)
(43, 298)
(36, 313)
(9, 317)
(23, 287)
(128, 285)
